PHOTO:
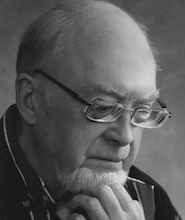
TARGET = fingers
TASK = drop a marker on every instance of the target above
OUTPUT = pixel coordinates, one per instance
(132, 207)
(102, 206)
(108, 203)
(123, 197)
(140, 209)
(76, 216)
(92, 206)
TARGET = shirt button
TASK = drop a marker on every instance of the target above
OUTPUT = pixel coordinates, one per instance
(25, 203)
(45, 199)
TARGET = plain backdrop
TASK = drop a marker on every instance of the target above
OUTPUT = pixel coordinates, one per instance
(162, 153)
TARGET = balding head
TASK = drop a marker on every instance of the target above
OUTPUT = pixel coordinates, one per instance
(76, 26)
(106, 27)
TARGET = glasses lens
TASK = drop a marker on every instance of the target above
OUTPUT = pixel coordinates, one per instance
(103, 111)
(150, 118)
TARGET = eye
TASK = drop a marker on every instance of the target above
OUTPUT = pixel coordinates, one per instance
(103, 109)
(100, 111)
(142, 115)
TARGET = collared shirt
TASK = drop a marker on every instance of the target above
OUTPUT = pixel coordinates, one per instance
(24, 195)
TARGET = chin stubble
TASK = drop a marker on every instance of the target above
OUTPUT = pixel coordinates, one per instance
(86, 178)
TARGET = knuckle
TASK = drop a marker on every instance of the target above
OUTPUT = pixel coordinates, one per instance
(117, 186)
(92, 203)
(104, 189)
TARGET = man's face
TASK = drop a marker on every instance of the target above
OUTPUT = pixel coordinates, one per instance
(118, 70)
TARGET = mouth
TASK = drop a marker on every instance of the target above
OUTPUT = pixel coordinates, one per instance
(104, 165)
(111, 162)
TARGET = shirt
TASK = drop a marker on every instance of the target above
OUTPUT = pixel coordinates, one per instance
(24, 195)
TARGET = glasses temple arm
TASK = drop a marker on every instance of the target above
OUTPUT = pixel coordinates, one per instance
(69, 91)
(164, 106)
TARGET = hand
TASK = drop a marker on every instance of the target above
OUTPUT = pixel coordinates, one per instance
(106, 203)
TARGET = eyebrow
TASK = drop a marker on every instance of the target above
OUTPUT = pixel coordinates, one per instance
(111, 91)
(150, 98)
(123, 94)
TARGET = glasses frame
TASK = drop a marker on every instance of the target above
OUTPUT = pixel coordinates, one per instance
(83, 100)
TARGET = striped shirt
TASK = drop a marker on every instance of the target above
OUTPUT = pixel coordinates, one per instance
(24, 195)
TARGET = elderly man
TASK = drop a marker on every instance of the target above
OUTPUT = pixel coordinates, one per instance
(85, 90)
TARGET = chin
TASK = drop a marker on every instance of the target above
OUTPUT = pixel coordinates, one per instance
(86, 178)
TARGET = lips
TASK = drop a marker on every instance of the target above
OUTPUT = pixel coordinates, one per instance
(115, 157)
(104, 165)
(109, 160)
(116, 160)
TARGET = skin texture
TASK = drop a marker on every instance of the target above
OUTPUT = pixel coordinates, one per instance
(110, 59)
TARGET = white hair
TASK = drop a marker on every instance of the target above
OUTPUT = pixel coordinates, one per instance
(85, 178)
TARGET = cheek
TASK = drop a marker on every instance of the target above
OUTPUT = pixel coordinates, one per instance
(72, 138)
(69, 148)
(137, 140)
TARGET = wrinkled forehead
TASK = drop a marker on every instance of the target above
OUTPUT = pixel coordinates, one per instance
(120, 72)
(111, 50)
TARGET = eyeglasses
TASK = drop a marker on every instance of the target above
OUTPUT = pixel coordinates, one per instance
(99, 110)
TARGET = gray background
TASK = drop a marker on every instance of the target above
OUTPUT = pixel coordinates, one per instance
(162, 153)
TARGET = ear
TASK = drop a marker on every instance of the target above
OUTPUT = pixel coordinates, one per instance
(26, 97)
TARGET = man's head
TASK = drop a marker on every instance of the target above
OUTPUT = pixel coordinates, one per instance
(96, 50)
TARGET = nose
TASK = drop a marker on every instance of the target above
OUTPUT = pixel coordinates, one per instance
(125, 129)
(121, 131)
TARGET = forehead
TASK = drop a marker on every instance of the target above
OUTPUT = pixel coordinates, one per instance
(112, 51)
(121, 74)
